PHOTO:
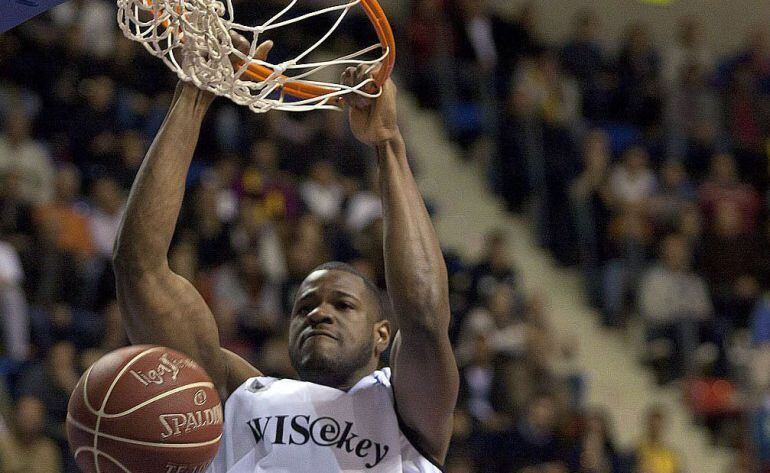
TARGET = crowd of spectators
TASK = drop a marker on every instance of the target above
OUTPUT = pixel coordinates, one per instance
(647, 168)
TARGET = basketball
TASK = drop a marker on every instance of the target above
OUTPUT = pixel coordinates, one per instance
(144, 409)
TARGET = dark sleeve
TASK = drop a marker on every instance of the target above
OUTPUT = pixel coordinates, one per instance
(462, 396)
(32, 382)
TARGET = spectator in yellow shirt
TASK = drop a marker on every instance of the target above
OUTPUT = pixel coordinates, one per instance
(654, 455)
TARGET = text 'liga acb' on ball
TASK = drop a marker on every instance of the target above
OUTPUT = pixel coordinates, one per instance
(144, 409)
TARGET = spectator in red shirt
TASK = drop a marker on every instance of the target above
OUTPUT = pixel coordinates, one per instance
(730, 263)
(724, 186)
(428, 30)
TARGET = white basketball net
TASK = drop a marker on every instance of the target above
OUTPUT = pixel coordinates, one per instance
(192, 37)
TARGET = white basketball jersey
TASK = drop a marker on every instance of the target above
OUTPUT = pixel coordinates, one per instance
(287, 426)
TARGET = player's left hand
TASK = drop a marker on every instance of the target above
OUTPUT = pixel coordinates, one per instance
(373, 121)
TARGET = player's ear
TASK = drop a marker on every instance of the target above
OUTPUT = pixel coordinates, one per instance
(382, 334)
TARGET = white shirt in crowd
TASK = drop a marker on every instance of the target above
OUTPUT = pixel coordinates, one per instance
(104, 230)
(632, 188)
(324, 202)
(14, 318)
(11, 272)
(364, 208)
(34, 167)
(510, 340)
(482, 40)
(667, 296)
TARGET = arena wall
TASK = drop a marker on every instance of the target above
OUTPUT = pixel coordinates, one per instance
(726, 21)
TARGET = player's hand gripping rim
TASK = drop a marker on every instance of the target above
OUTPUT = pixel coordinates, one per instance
(373, 121)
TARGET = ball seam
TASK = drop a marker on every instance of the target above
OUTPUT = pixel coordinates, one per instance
(107, 398)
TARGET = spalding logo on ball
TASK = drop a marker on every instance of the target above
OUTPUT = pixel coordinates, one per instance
(144, 409)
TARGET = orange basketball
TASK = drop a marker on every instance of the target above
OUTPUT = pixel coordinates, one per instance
(144, 409)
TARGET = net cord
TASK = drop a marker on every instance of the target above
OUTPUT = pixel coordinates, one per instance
(197, 31)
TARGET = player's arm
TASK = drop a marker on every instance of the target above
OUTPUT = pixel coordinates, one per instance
(158, 306)
(425, 377)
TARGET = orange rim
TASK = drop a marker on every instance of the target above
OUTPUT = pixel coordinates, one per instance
(304, 90)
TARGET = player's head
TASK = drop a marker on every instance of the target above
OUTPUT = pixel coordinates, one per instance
(339, 325)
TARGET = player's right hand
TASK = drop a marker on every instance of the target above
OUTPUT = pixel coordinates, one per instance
(242, 44)
(372, 121)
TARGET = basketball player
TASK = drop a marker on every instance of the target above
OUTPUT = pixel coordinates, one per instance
(344, 414)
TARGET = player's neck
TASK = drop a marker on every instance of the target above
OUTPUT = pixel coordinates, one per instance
(343, 383)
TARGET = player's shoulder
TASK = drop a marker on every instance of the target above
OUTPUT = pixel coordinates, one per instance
(264, 384)
(271, 386)
(257, 384)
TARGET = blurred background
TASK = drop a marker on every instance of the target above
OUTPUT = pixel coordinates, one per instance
(598, 172)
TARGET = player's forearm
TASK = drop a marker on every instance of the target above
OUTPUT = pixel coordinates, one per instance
(156, 196)
(414, 266)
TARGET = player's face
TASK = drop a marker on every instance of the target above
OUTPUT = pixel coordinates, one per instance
(332, 330)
